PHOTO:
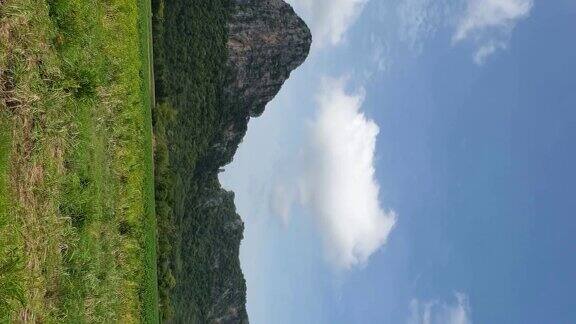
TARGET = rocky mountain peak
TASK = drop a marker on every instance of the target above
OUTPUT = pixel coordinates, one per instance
(266, 41)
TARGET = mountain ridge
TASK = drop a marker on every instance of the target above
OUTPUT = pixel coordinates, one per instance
(218, 63)
(266, 42)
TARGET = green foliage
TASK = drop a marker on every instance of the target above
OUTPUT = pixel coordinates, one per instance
(199, 230)
(11, 290)
(149, 294)
(10, 285)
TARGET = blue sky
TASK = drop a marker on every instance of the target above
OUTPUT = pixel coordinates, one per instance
(418, 168)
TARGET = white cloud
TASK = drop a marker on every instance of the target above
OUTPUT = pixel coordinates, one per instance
(484, 51)
(419, 20)
(329, 19)
(490, 23)
(339, 185)
(487, 24)
(438, 312)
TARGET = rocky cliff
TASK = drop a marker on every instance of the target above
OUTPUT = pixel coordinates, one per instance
(266, 42)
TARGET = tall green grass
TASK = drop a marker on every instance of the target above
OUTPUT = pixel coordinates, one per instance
(150, 296)
(11, 293)
(80, 194)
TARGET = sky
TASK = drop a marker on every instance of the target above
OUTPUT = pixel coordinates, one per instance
(417, 168)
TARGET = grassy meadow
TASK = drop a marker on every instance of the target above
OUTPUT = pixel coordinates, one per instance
(77, 218)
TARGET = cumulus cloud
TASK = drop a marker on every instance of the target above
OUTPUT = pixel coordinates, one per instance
(329, 19)
(490, 23)
(438, 312)
(339, 185)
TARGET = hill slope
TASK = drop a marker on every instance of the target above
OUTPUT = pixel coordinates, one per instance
(218, 63)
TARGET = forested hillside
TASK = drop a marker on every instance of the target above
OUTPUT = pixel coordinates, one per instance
(217, 63)
(200, 232)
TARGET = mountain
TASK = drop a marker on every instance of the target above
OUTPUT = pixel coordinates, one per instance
(266, 41)
(217, 64)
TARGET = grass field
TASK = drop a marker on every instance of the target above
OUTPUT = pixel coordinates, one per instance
(77, 219)
(150, 297)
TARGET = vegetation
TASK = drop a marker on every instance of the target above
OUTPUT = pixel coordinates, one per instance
(199, 230)
(77, 225)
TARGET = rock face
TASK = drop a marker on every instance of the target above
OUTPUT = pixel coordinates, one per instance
(266, 42)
